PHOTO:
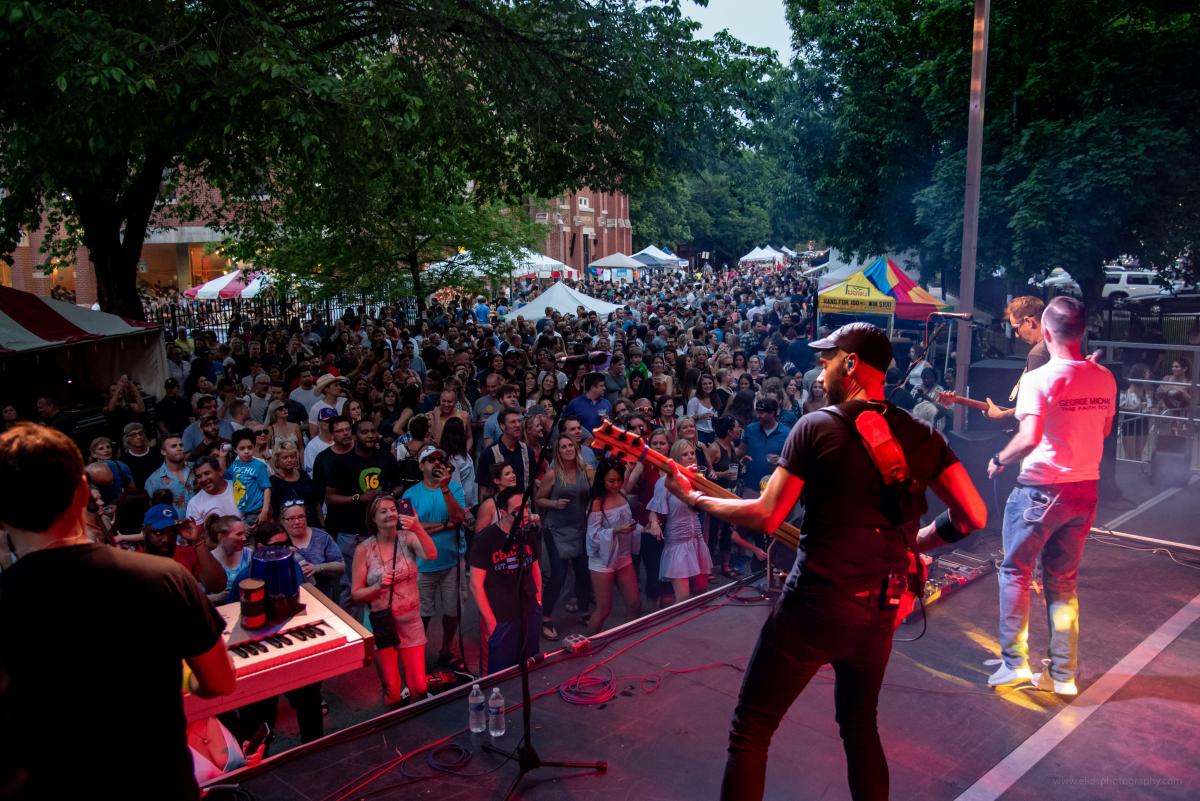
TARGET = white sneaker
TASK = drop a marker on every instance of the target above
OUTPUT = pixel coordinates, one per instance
(1044, 681)
(1005, 675)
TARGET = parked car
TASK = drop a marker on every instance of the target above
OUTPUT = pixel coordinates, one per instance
(1165, 302)
(1119, 285)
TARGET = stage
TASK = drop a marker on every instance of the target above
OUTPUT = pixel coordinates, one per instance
(1132, 733)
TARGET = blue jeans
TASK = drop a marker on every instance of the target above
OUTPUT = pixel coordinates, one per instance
(1053, 521)
(504, 644)
(805, 631)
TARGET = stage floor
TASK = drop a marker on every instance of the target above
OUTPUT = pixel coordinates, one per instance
(1132, 733)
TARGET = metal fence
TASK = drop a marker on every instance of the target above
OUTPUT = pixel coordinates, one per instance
(219, 315)
(1158, 408)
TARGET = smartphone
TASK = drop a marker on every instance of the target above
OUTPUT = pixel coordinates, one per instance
(404, 506)
(260, 736)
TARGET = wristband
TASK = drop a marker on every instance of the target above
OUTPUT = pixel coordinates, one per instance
(945, 529)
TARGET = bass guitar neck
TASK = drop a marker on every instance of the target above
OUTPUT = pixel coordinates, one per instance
(632, 448)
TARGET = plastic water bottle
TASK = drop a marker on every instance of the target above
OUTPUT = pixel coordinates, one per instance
(495, 713)
(477, 720)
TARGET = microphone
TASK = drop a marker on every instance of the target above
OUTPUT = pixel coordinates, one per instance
(967, 316)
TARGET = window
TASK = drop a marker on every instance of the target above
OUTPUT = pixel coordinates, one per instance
(1139, 280)
(1112, 278)
(585, 203)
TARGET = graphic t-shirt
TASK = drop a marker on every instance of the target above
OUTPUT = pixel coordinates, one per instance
(500, 565)
(249, 479)
(1075, 399)
(352, 474)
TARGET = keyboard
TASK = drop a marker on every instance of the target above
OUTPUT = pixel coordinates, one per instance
(317, 643)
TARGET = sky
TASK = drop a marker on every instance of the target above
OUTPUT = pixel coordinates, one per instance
(756, 22)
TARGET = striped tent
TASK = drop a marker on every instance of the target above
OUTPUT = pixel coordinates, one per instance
(236, 284)
(44, 340)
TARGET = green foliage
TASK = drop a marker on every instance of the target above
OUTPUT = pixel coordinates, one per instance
(1090, 139)
(728, 208)
(102, 100)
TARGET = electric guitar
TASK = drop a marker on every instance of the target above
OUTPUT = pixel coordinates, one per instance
(632, 448)
(946, 398)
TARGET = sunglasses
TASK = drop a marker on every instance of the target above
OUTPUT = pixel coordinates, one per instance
(436, 460)
(293, 502)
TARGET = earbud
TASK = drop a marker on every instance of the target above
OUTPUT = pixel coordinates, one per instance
(850, 362)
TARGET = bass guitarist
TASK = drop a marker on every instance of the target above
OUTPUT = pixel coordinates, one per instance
(839, 603)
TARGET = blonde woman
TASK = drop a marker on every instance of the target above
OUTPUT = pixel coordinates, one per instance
(685, 558)
(562, 498)
(385, 569)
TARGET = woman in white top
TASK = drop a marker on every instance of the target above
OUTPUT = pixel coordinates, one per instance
(612, 539)
(703, 408)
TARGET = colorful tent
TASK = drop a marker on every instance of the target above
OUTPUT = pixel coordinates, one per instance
(855, 295)
(912, 302)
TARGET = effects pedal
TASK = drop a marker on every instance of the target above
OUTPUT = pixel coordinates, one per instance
(576, 644)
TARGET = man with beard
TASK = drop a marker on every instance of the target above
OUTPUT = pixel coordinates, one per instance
(351, 480)
(173, 474)
(837, 606)
(167, 534)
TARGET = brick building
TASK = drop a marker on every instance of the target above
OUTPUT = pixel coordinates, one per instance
(585, 226)
(180, 257)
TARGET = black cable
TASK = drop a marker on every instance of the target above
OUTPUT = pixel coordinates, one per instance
(924, 621)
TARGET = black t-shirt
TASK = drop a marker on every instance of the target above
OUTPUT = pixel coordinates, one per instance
(849, 540)
(500, 571)
(174, 412)
(302, 489)
(1039, 354)
(351, 474)
(93, 640)
(142, 466)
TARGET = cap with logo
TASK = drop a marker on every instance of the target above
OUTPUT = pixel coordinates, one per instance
(159, 517)
(326, 414)
(868, 342)
(430, 450)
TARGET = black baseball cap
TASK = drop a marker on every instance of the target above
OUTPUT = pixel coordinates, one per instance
(767, 405)
(867, 341)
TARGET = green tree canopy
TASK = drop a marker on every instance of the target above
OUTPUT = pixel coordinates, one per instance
(102, 100)
(1090, 134)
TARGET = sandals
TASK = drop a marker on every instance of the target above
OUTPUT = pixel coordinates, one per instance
(729, 572)
(548, 631)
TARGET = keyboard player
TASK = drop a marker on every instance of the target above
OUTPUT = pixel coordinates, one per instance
(82, 674)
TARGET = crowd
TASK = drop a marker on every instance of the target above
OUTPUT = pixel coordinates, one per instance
(393, 455)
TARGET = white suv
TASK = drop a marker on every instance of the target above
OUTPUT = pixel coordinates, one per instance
(1118, 284)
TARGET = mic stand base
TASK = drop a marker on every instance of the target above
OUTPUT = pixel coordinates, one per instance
(528, 761)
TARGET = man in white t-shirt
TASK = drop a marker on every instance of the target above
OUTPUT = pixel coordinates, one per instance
(331, 390)
(305, 393)
(1065, 409)
(215, 495)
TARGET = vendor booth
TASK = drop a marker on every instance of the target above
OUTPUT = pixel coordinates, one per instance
(856, 296)
(564, 300)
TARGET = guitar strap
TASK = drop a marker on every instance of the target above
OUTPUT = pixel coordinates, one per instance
(888, 457)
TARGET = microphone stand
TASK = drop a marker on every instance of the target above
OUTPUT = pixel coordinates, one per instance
(524, 755)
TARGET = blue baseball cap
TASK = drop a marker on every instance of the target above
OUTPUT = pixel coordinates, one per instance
(326, 414)
(160, 516)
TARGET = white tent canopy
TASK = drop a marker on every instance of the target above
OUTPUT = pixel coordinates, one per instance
(618, 260)
(561, 298)
(656, 253)
(528, 265)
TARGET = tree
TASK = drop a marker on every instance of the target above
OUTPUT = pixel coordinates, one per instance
(1089, 141)
(101, 101)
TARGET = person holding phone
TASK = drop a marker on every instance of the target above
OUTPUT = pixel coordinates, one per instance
(385, 567)
(439, 504)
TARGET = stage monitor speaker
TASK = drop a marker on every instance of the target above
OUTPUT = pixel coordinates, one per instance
(995, 379)
(975, 449)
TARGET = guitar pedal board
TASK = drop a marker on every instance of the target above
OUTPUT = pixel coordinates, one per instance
(955, 570)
